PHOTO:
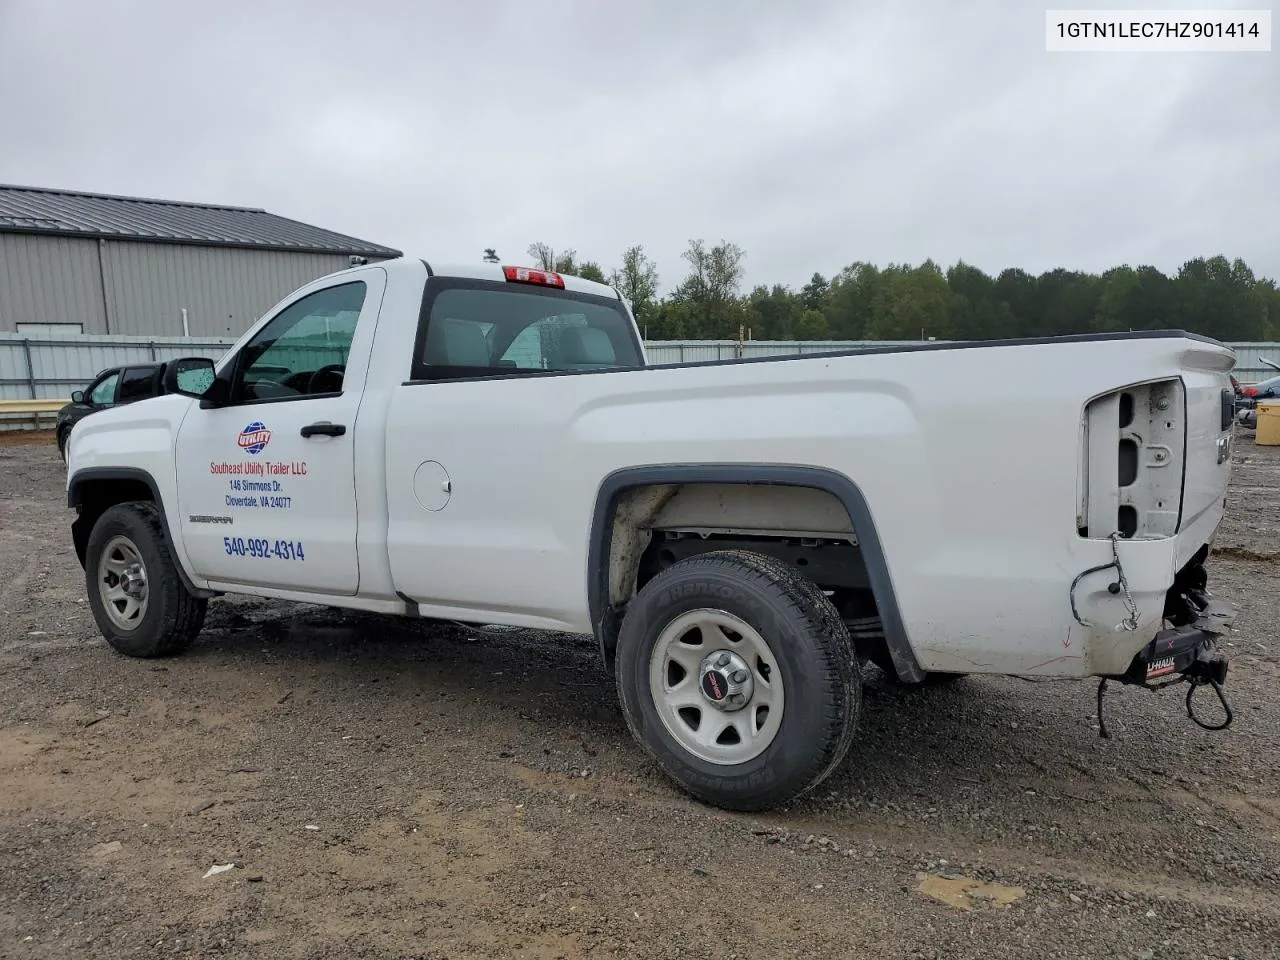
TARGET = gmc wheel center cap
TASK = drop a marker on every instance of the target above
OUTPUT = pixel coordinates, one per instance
(726, 681)
(715, 685)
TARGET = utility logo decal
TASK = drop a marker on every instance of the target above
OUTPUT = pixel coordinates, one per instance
(254, 438)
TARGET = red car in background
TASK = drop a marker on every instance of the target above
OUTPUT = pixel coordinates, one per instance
(1248, 397)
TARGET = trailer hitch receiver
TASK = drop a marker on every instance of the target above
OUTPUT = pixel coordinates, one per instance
(1183, 654)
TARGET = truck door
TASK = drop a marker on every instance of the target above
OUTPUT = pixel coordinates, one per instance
(266, 481)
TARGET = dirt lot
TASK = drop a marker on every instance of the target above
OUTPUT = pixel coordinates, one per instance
(396, 792)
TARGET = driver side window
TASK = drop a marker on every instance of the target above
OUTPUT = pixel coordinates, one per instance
(104, 394)
(302, 351)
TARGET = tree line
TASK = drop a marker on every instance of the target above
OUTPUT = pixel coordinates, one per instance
(1213, 296)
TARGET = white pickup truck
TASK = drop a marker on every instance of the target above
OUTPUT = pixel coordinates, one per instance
(486, 444)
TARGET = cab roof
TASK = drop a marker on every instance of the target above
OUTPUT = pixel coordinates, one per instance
(498, 272)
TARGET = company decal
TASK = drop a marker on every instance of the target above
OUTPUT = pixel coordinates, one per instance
(1159, 668)
(201, 518)
(257, 484)
(254, 438)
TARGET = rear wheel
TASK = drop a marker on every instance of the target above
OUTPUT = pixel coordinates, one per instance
(63, 433)
(738, 677)
(138, 599)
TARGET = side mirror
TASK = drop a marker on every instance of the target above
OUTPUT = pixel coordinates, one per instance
(189, 376)
(218, 394)
(77, 396)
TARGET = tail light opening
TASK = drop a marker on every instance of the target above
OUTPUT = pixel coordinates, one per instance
(1133, 445)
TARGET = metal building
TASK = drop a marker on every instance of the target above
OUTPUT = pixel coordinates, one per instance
(90, 263)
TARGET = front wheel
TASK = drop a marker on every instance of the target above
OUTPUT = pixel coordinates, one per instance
(139, 601)
(738, 677)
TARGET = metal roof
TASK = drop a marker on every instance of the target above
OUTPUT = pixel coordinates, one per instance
(40, 210)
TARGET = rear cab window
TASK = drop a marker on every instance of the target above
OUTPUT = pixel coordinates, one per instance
(481, 328)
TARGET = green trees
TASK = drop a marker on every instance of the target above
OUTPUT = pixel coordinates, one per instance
(637, 281)
(1213, 296)
(709, 291)
(566, 261)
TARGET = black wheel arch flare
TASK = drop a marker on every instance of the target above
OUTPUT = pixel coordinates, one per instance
(605, 617)
(82, 525)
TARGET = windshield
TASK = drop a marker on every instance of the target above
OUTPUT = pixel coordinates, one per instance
(478, 328)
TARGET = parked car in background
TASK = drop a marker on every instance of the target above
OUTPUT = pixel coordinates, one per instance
(1248, 395)
(1268, 389)
(1247, 402)
(110, 388)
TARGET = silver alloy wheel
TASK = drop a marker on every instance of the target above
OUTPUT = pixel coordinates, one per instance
(717, 686)
(122, 582)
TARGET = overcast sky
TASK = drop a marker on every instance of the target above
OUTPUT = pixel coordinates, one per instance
(812, 133)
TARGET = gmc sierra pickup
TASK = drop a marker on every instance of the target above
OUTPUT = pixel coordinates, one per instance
(486, 444)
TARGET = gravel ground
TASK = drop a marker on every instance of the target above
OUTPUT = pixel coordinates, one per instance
(392, 791)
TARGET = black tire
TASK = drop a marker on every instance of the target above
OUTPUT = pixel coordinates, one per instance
(821, 680)
(173, 616)
(62, 442)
